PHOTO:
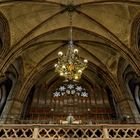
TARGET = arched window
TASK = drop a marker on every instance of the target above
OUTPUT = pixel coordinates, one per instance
(70, 89)
(71, 97)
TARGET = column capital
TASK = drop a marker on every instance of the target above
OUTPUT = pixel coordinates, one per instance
(2, 76)
(125, 99)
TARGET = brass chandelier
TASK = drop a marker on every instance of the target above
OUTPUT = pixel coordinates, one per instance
(70, 65)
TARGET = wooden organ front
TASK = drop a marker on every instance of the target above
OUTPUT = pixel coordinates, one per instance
(70, 97)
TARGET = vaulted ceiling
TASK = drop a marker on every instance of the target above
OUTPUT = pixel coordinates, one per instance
(102, 31)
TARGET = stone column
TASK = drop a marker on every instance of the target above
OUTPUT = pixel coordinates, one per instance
(2, 77)
(105, 132)
(35, 133)
(128, 110)
(11, 112)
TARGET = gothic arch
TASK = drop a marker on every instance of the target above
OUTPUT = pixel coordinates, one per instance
(132, 84)
(11, 84)
(135, 35)
(26, 88)
(125, 74)
(4, 35)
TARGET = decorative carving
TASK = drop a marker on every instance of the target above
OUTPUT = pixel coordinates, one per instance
(2, 76)
(64, 132)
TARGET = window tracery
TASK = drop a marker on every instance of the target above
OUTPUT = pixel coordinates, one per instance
(70, 89)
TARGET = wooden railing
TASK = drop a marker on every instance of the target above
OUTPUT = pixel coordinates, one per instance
(69, 132)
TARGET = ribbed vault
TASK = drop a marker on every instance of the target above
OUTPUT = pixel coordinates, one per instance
(102, 31)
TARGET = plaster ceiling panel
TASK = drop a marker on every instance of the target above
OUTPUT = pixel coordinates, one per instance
(23, 17)
(100, 51)
(114, 17)
(47, 77)
(41, 51)
(59, 21)
(32, 57)
(91, 76)
(64, 35)
(83, 22)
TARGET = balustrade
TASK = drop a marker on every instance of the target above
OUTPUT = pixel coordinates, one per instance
(69, 132)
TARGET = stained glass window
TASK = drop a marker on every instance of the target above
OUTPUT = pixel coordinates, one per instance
(70, 89)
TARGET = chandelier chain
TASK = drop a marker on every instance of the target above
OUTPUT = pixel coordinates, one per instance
(70, 65)
(71, 31)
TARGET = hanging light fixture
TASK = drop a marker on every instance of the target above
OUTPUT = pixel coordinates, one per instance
(70, 65)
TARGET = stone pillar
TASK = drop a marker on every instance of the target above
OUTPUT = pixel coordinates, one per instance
(2, 77)
(35, 133)
(128, 110)
(11, 112)
(105, 132)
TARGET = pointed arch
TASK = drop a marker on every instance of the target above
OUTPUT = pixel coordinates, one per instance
(4, 34)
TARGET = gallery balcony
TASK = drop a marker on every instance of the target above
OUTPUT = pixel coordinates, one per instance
(65, 131)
